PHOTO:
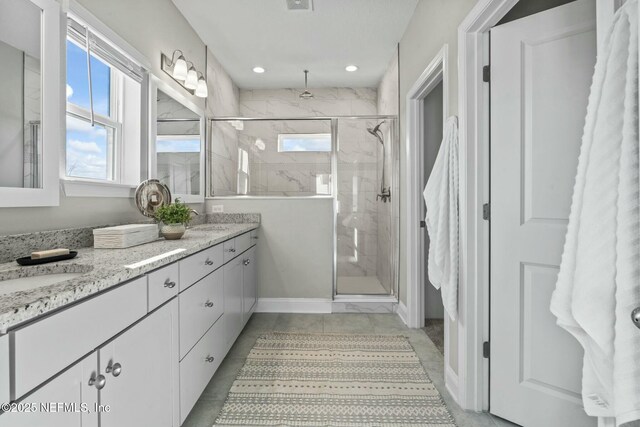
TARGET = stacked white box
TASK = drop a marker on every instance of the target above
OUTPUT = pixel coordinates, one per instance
(124, 236)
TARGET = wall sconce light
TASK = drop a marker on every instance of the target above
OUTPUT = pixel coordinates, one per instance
(184, 73)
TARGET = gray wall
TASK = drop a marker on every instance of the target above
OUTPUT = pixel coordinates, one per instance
(434, 23)
(152, 27)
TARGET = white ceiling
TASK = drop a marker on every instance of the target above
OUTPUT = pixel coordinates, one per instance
(243, 34)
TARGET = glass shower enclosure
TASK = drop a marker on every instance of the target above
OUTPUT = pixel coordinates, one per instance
(353, 160)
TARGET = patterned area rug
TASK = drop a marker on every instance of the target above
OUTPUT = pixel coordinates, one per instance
(314, 380)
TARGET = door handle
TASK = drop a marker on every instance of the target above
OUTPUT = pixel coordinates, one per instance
(98, 381)
(635, 317)
(115, 369)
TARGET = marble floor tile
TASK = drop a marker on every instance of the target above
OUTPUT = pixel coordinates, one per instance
(207, 408)
(295, 322)
(348, 323)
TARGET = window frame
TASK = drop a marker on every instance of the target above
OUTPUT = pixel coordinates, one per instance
(87, 187)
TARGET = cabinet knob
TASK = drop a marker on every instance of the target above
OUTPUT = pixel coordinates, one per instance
(169, 284)
(99, 381)
(208, 262)
(247, 262)
(208, 304)
(210, 359)
(232, 249)
(115, 369)
(254, 237)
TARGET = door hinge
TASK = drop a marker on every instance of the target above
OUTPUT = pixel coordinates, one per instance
(485, 349)
(486, 73)
(423, 224)
(486, 211)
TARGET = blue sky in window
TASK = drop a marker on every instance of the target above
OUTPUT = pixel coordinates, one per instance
(86, 149)
(318, 143)
(86, 154)
(78, 80)
(167, 145)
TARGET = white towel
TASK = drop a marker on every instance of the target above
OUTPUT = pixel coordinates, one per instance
(599, 280)
(441, 198)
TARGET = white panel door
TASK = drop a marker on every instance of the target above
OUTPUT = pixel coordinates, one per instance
(68, 398)
(541, 71)
(142, 371)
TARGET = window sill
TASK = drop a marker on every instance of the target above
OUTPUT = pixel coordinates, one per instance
(82, 188)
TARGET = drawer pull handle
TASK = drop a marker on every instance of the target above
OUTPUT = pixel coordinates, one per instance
(210, 359)
(232, 250)
(99, 381)
(247, 262)
(114, 370)
(208, 262)
(208, 304)
(169, 284)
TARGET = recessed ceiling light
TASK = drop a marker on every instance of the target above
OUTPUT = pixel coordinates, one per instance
(351, 68)
(258, 70)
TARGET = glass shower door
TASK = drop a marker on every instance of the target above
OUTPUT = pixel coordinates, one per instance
(366, 248)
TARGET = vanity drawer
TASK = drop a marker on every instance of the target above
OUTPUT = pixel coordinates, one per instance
(243, 242)
(4, 369)
(44, 348)
(197, 368)
(230, 251)
(200, 306)
(163, 285)
(199, 265)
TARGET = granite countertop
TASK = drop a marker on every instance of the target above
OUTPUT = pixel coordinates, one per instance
(101, 269)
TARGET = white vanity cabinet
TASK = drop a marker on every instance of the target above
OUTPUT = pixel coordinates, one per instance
(71, 388)
(141, 371)
(249, 284)
(143, 350)
(233, 300)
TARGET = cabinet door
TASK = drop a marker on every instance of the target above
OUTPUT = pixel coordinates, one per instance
(249, 283)
(66, 401)
(233, 299)
(141, 367)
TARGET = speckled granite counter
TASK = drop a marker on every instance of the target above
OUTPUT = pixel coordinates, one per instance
(102, 269)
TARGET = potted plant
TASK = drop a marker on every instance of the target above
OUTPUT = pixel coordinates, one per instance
(174, 218)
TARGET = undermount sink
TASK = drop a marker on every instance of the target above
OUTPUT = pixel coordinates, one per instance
(37, 278)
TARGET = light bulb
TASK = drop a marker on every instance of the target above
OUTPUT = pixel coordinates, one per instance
(258, 70)
(192, 79)
(202, 91)
(180, 69)
(351, 68)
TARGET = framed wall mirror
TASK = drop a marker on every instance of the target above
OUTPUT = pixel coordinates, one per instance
(30, 107)
(177, 142)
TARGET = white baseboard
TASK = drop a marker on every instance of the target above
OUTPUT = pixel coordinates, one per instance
(402, 312)
(294, 305)
(451, 382)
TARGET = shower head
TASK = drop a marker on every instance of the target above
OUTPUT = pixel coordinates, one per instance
(377, 132)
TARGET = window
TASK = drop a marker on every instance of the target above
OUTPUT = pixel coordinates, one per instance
(302, 142)
(104, 109)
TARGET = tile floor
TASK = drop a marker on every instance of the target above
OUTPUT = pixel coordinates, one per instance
(211, 401)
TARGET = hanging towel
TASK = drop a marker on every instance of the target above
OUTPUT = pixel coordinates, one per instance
(599, 279)
(441, 199)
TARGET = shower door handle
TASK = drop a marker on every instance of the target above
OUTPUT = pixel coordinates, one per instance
(423, 224)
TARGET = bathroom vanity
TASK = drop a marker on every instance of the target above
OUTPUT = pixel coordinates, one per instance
(135, 340)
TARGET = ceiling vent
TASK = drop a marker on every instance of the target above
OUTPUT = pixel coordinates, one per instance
(300, 5)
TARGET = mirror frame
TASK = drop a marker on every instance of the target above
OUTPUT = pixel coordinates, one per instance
(52, 104)
(156, 84)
